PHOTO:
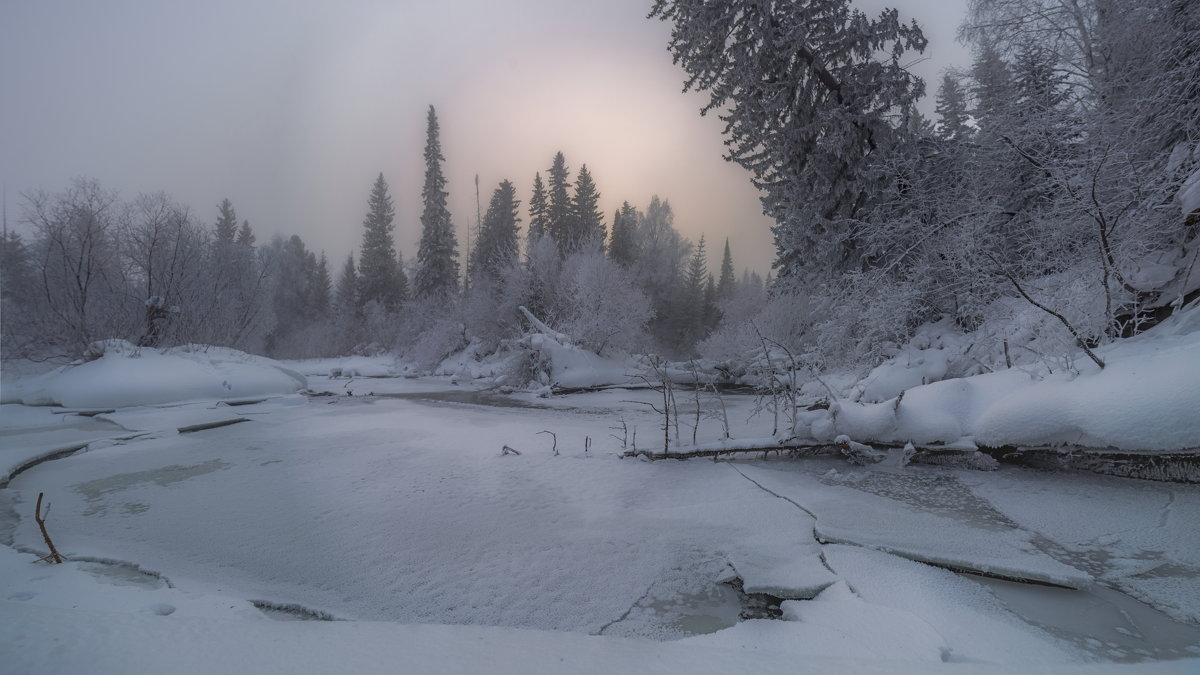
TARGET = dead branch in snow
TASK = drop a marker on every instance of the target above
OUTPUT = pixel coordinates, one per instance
(41, 521)
(553, 436)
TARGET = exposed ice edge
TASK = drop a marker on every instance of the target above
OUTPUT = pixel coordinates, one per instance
(1065, 577)
(1058, 574)
(27, 462)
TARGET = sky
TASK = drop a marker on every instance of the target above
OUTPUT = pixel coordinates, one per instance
(291, 109)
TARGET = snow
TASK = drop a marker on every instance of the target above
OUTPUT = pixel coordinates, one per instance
(953, 536)
(398, 511)
(381, 365)
(1144, 400)
(125, 375)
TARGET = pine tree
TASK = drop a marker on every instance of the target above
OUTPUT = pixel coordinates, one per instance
(377, 259)
(437, 264)
(587, 223)
(952, 108)
(539, 216)
(227, 226)
(558, 209)
(497, 248)
(622, 245)
(728, 282)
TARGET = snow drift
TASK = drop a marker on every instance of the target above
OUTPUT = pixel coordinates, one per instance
(124, 375)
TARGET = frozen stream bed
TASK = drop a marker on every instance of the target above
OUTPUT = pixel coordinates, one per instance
(401, 508)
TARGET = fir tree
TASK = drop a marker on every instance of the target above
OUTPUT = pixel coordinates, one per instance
(539, 216)
(952, 109)
(497, 247)
(227, 225)
(728, 282)
(558, 209)
(437, 264)
(622, 245)
(587, 223)
(377, 260)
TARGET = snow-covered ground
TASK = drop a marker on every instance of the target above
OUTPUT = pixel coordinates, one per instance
(399, 513)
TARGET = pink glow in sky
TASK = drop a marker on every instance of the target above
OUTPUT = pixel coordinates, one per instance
(290, 109)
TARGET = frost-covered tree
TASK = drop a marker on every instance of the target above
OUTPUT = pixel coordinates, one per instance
(952, 109)
(659, 272)
(377, 275)
(80, 294)
(806, 89)
(498, 249)
(603, 307)
(437, 253)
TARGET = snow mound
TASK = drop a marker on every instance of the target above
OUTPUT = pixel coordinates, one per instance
(382, 365)
(124, 375)
(1144, 400)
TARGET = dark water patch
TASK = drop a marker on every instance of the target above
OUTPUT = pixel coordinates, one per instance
(468, 397)
(291, 611)
(95, 490)
(1100, 621)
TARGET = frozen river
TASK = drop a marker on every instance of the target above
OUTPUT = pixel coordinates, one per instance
(400, 506)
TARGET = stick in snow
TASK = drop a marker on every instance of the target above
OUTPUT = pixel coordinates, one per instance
(555, 437)
(41, 521)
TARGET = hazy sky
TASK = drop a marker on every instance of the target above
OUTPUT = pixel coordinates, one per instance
(290, 109)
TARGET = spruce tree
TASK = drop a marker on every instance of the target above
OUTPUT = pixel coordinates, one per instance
(622, 245)
(245, 235)
(437, 264)
(558, 209)
(728, 282)
(402, 290)
(539, 215)
(993, 86)
(347, 288)
(587, 223)
(697, 272)
(807, 92)
(952, 109)
(497, 248)
(377, 259)
(227, 225)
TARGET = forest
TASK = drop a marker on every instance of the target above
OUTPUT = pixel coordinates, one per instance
(1049, 208)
